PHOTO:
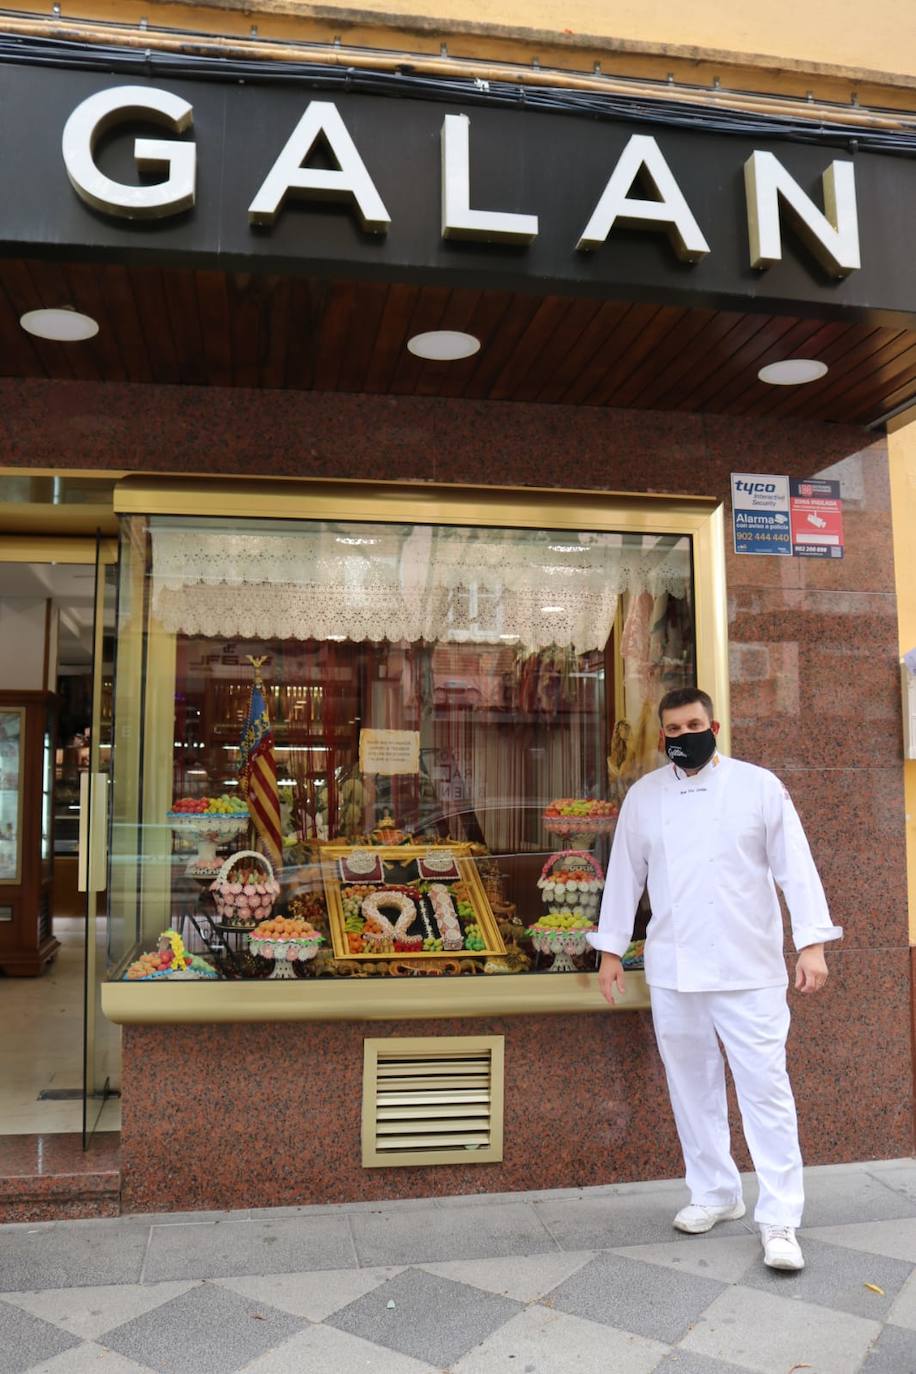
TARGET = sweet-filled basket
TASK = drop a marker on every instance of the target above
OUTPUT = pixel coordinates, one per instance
(572, 879)
(244, 893)
(580, 822)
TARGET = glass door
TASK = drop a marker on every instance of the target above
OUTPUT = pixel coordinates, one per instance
(101, 1039)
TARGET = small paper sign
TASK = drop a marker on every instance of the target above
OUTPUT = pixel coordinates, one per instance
(389, 752)
(817, 518)
(760, 514)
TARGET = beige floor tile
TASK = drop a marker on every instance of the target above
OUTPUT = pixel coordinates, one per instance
(539, 1339)
(760, 1332)
(523, 1277)
(312, 1295)
(903, 1312)
(89, 1312)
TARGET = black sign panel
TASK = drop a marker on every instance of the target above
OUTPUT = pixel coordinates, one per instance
(553, 165)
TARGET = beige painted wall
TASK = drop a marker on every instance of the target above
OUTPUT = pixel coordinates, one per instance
(902, 458)
(880, 35)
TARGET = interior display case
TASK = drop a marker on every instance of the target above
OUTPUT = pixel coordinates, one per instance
(27, 943)
(444, 714)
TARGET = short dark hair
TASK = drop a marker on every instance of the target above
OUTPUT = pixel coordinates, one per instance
(685, 696)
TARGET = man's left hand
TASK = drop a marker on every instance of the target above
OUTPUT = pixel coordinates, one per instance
(811, 969)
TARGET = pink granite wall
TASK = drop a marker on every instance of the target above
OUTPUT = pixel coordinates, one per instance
(814, 696)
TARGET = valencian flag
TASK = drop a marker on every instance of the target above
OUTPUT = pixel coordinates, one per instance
(258, 770)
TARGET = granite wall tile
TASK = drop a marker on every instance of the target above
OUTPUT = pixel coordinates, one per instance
(854, 820)
(298, 433)
(270, 1115)
(843, 1113)
(814, 677)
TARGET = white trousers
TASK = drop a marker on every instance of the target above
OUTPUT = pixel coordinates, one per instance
(752, 1025)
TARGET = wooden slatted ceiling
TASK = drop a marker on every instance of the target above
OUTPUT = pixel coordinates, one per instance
(208, 328)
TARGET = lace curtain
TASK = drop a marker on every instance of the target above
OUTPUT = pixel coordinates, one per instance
(407, 584)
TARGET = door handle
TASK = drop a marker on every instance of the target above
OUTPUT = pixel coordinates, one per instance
(92, 856)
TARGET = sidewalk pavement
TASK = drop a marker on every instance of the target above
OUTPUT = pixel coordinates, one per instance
(564, 1282)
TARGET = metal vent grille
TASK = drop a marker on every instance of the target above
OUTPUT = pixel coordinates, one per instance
(433, 1100)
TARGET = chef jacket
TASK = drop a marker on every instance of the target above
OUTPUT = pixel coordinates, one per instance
(711, 846)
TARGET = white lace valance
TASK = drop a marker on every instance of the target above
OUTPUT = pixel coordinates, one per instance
(403, 584)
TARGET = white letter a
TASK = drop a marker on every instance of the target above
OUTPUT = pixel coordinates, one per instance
(350, 182)
(669, 212)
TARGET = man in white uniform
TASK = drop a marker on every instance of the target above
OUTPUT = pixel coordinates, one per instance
(710, 834)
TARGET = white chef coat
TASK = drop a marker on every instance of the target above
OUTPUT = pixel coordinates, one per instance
(711, 846)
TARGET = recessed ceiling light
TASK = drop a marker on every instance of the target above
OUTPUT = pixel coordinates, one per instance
(64, 325)
(551, 610)
(792, 372)
(443, 345)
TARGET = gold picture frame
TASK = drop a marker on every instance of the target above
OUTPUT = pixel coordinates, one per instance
(404, 855)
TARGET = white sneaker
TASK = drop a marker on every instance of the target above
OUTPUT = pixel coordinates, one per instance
(695, 1219)
(780, 1248)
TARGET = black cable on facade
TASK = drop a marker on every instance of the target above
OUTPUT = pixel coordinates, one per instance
(404, 82)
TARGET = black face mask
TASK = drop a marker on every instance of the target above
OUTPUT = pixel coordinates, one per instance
(692, 749)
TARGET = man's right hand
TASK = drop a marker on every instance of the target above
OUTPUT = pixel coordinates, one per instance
(610, 976)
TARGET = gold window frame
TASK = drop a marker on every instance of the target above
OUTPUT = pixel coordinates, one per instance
(699, 518)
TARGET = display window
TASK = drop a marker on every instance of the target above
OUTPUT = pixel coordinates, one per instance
(356, 750)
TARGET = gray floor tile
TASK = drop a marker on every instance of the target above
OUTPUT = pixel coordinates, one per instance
(894, 1238)
(759, 1331)
(26, 1340)
(89, 1312)
(689, 1362)
(893, 1353)
(322, 1350)
(903, 1312)
(66, 1256)
(424, 1237)
(834, 1199)
(433, 1319)
(218, 1250)
(208, 1330)
(726, 1258)
(523, 1277)
(900, 1176)
(598, 1223)
(643, 1298)
(543, 1341)
(313, 1296)
(836, 1277)
(189, 1218)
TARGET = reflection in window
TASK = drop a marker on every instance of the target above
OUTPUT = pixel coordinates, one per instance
(518, 669)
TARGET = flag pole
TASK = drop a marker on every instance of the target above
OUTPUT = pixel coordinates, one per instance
(257, 771)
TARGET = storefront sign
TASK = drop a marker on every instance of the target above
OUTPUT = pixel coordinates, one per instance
(817, 518)
(389, 752)
(760, 514)
(244, 176)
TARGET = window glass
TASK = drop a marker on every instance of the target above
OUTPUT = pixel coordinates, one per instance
(347, 749)
(10, 794)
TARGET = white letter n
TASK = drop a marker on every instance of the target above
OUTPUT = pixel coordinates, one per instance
(833, 237)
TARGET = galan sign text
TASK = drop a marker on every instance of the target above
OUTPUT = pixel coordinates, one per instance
(350, 185)
(831, 233)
